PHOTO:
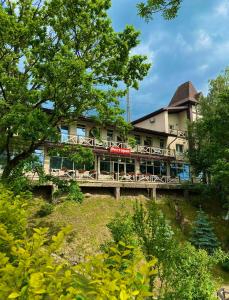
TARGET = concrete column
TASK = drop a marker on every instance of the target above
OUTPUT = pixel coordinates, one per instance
(153, 194)
(98, 167)
(117, 193)
(46, 162)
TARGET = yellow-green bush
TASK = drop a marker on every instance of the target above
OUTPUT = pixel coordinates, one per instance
(30, 267)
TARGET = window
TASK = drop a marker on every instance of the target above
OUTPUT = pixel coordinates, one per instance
(110, 134)
(148, 141)
(180, 170)
(39, 154)
(81, 130)
(56, 162)
(64, 131)
(180, 148)
(138, 139)
(162, 143)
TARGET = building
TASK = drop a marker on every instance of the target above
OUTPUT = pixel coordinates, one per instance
(157, 154)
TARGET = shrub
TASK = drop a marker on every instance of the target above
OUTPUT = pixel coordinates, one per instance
(225, 264)
(45, 210)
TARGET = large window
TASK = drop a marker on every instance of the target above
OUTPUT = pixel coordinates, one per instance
(110, 135)
(148, 142)
(39, 155)
(138, 139)
(153, 167)
(162, 143)
(60, 163)
(116, 165)
(180, 170)
(64, 131)
(180, 148)
(81, 130)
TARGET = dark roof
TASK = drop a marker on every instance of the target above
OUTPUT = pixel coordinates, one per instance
(149, 131)
(185, 92)
(154, 113)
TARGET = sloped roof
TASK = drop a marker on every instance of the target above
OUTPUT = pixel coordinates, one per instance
(185, 92)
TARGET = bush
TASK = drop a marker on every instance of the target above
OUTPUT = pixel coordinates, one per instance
(45, 210)
(225, 265)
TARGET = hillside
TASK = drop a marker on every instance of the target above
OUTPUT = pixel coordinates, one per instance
(89, 219)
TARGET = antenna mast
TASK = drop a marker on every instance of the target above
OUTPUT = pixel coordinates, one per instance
(128, 105)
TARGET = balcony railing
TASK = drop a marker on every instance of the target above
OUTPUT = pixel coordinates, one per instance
(99, 143)
(179, 133)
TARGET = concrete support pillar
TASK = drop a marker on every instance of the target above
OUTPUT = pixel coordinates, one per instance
(153, 194)
(46, 162)
(117, 193)
(98, 167)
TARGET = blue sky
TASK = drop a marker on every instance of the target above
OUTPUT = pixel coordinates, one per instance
(194, 46)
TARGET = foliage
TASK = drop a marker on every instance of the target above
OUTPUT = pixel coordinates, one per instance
(132, 141)
(113, 276)
(184, 272)
(65, 55)
(209, 137)
(121, 228)
(45, 210)
(225, 264)
(77, 154)
(32, 269)
(12, 213)
(74, 192)
(203, 236)
(168, 8)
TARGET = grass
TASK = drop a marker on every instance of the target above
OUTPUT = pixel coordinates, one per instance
(89, 219)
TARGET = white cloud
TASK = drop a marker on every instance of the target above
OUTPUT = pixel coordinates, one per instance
(203, 68)
(203, 40)
(182, 43)
(222, 9)
(144, 49)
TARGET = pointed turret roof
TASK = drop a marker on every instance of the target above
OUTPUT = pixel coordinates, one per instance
(184, 93)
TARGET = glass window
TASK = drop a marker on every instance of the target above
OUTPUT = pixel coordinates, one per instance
(179, 148)
(55, 162)
(64, 133)
(162, 143)
(67, 164)
(39, 154)
(138, 139)
(130, 168)
(105, 167)
(148, 142)
(110, 134)
(81, 130)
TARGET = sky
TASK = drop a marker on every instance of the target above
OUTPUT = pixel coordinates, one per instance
(193, 47)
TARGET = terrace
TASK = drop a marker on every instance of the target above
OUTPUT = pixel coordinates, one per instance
(114, 145)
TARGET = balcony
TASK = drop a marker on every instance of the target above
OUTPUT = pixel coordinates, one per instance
(179, 133)
(104, 144)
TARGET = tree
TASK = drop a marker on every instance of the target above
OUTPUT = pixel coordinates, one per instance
(209, 137)
(203, 236)
(168, 8)
(64, 53)
(184, 272)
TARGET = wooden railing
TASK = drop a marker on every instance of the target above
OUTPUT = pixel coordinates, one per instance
(99, 143)
(179, 133)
